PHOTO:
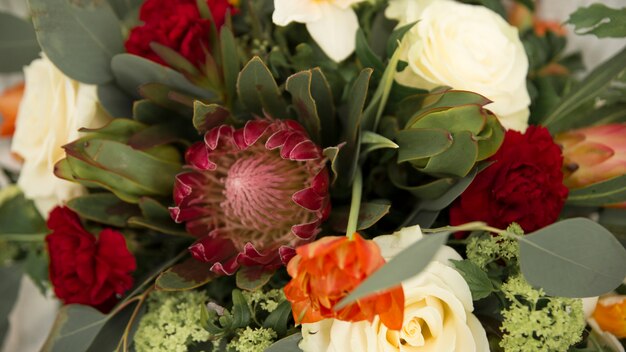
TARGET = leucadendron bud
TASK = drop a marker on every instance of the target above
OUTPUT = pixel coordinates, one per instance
(124, 157)
(449, 134)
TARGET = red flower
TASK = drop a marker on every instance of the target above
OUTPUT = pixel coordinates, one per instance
(83, 269)
(178, 25)
(252, 194)
(524, 184)
(325, 271)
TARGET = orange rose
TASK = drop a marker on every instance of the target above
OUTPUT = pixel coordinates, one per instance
(9, 103)
(610, 314)
(325, 271)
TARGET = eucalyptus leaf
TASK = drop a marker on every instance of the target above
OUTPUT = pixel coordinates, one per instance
(287, 344)
(18, 43)
(600, 20)
(405, 265)
(79, 37)
(598, 194)
(75, 328)
(10, 277)
(573, 258)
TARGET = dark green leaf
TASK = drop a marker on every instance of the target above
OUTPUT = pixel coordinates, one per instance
(174, 59)
(287, 344)
(18, 215)
(230, 61)
(123, 8)
(396, 37)
(331, 153)
(279, 318)
(418, 143)
(205, 117)
(241, 311)
(111, 333)
(104, 208)
(18, 43)
(299, 86)
(589, 88)
(258, 90)
(185, 276)
(366, 55)
(369, 214)
(601, 193)
(10, 278)
(600, 20)
(323, 96)
(74, 329)
(115, 101)
(79, 37)
(36, 266)
(371, 141)
(155, 216)
(251, 278)
(477, 280)
(406, 264)
(573, 258)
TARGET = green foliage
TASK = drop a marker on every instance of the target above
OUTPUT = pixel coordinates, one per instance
(287, 344)
(80, 38)
(477, 279)
(573, 258)
(10, 277)
(599, 20)
(18, 215)
(75, 328)
(185, 276)
(172, 322)
(369, 214)
(536, 322)
(258, 90)
(18, 43)
(601, 193)
(252, 340)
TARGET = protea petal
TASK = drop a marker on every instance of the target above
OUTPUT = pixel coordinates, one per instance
(259, 191)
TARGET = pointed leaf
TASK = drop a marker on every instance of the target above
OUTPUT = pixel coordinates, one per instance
(373, 141)
(477, 280)
(258, 90)
(573, 258)
(104, 208)
(279, 318)
(241, 310)
(299, 86)
(187, 275)
(323, 96)
(369, 214)
(405, 265)
(251, 278)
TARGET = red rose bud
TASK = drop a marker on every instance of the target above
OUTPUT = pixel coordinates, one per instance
(523, 185)
(593, 154)
(176, 24)
(83, 269)
(325, 271)
(252, 195)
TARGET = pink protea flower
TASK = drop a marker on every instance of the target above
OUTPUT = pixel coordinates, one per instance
(252, 194)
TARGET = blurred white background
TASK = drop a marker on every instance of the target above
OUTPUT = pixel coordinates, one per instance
(33, 314)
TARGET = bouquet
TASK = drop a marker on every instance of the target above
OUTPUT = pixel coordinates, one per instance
(339, 175)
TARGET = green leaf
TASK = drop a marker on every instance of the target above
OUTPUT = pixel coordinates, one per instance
(115, 101)
(241, 311)
(104, 208)
(205, 117)
(477, 280)
(573, 258)
(18, 43)
(279, 318)
(371, 141)
(406, 264)
(10, 277)
(112, 332)
(18, 214)
(598, 194)
(419, 143)
(230, 61)
(366, 55)
(174, 59)
(252, 278)
(258, 90)
(36, 266)
(331, 153)
(458, 160)
(396, 37)
(600, 20)
(74, 329)
(588, 89)
(299, 86)
(187, 275)
(369, 214)
(123, 8)
(323, 96)
(133, 71)
(156, 216)
(287, 344)
(80, 38)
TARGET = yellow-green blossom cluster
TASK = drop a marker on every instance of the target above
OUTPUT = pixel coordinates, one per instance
(252, 340)
(172, 322)
(536, 322)
(487, 248)
(265, 300)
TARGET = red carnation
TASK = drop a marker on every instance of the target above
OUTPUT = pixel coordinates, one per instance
(178, 25)
(83, 269)
(524, 184)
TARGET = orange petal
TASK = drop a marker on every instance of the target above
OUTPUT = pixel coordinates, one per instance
(612, 317)
(9, 105)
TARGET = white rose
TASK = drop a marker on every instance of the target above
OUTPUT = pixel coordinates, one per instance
(437, 313)
(471, 48)
(406, 11)
(52, 110)
(332, 23)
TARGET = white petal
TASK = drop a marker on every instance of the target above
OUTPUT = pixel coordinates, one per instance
(335, 31)
(302, 11)
(316, 336)
(480, 336)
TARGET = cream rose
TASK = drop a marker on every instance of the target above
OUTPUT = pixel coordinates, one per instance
(471, 48)
(52, 110)
(437, 314)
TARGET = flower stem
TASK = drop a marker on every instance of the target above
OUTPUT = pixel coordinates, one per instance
(355, 204)
(473, 226)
